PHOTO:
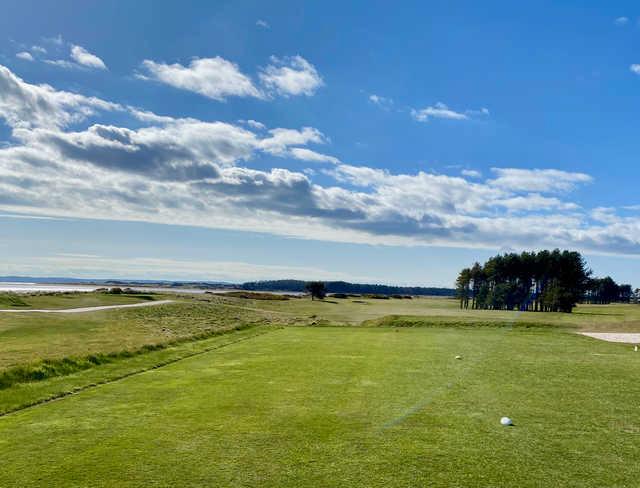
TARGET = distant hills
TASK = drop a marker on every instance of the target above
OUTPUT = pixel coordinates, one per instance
(269, 285)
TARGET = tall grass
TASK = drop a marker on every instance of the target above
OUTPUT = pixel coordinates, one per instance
(49, 368)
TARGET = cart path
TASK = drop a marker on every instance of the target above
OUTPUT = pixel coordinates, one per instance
(86, 309)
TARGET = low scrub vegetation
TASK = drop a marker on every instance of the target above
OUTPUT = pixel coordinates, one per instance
(12, 300)
(251, 295)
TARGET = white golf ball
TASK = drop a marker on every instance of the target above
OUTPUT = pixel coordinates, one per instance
(458, 357)
(506, 421)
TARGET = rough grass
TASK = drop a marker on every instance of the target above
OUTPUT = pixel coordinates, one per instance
(421, 321)
(49, 368)
(617, 317)
(28, 338)
(11, 300)
(24, 394)
(348, 406)
(54, 300)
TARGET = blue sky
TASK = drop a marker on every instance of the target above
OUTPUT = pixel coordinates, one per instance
(352, 140)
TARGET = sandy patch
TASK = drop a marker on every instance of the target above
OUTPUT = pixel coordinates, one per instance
(626, 337)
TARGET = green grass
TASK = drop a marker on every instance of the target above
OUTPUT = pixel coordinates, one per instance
(111, 367)
(352, 311)
(254, 295)
(28, 338)
(346, 406)
(12, 300)
(69, 300)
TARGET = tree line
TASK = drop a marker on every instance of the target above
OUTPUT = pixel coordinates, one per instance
(345, 287)
(544, 281)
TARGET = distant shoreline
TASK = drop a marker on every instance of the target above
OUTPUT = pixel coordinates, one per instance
(13, 283)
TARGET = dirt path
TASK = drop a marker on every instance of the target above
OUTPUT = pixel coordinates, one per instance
(87, 309)
(627, 337)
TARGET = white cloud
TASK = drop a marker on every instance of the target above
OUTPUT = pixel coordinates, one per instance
(439, 111)
(442, 111)
(291, 76)
(534, 202)
(218, 78)
(62, 63)
(254, 124)
(621, 21)
(24, 105)
(537, 180)
(83, 57)
(262, 23)
(214, 78)
(305, 154)
(280, 139)
(150, 117)
(192, 172)
(79, 57)
(25, 56)
(471, 173)
(635, 68)
(606, 215)
(383, 102)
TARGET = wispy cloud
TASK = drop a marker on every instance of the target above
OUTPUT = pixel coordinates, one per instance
(380, 101)
(83, 57)
(544, 180)
(24, 55)
(442, 111)
(305, 154)
(262, 23)
(471, 173)
(621, 21)
(91, 266)
(64, 55)
(253, 124)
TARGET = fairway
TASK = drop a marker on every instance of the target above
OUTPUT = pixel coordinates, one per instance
(348, 407)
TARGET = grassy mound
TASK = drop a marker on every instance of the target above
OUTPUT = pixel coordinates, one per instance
(50, 368)
(433, 321)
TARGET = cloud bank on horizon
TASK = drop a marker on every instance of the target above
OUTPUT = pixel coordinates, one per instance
(63, 160)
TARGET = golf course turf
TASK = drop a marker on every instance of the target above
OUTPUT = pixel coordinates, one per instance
(348, 406)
